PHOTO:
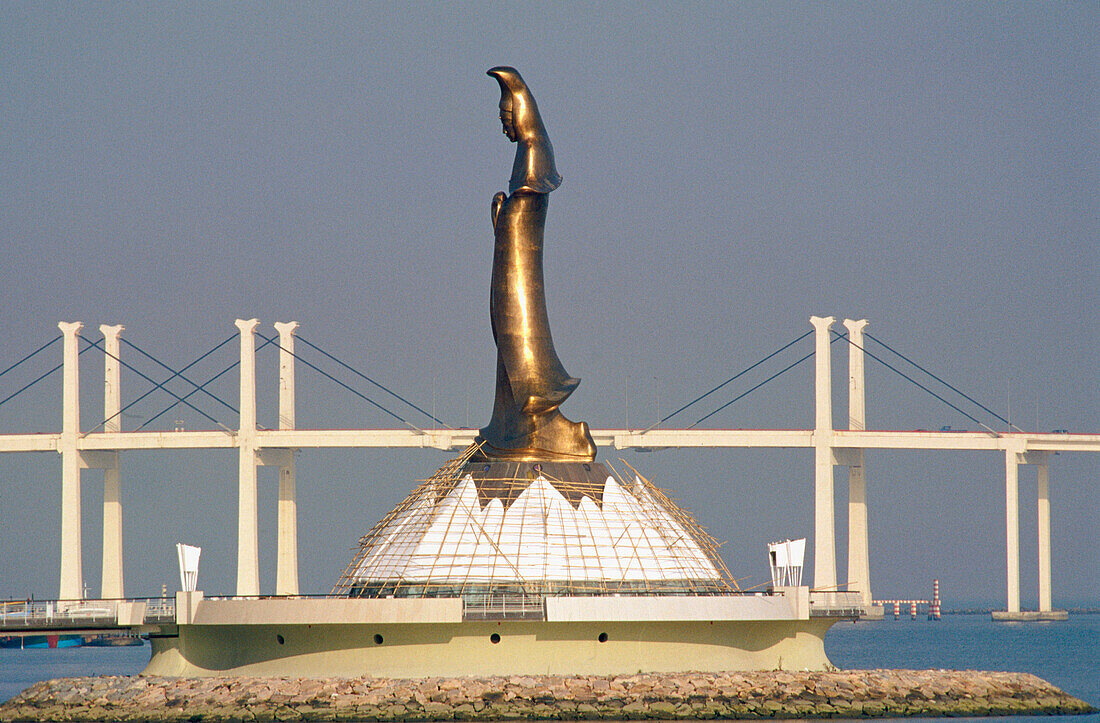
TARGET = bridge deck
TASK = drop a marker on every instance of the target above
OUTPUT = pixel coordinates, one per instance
(618, 438)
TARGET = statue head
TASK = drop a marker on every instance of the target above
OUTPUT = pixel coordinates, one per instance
(533, 169)
(507, 120)
(519, 114)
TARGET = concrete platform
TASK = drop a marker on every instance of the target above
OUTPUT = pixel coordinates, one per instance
(418, 637)
(1028, 616)
(873, 612)
(424, 650)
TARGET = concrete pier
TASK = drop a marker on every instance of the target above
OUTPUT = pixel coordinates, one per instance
(824, 515)
(111, 585)
(1030, 616)
(859, 562)
(72, 572)
(1014, 457)
(1043, 493)
(1012, 531)
(286, 573)
(248, 546)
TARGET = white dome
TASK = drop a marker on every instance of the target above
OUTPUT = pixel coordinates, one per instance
(451, 538)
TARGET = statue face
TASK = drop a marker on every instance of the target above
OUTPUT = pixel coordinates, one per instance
(507, 122)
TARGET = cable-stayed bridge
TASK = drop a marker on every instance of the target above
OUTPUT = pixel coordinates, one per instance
(99, 448)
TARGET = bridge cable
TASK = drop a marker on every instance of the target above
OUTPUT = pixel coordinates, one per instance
(157, 384)
(217, 399)
(212, 379)
(28, 386)
(41, 348)
(354, 391)
(914, 381)
(735, 376)
(958, 391)
(217, 376)
(380, 386)
(753, 389)
(143, 396)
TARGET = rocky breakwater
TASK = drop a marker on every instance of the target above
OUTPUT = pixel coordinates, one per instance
(772, 694)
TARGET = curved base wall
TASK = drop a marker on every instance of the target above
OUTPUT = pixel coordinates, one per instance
(414, 650)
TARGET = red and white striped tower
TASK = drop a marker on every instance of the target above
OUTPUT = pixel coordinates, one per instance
(934, 608)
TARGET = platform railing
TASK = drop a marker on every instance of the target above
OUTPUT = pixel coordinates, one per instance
(18, 615)
(503, 606)
(835, 604)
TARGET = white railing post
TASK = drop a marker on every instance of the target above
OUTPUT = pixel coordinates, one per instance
(286, 575)
(248, 563)
(112, 579)
(824, 526)
(72, 574)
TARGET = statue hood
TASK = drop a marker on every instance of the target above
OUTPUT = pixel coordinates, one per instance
(533, 169)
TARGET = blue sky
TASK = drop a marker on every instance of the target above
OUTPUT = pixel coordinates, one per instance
(730, 170)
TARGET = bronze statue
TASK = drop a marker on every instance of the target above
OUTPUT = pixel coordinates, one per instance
(531, 381)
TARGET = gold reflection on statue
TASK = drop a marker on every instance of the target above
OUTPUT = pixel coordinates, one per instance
(531, 381)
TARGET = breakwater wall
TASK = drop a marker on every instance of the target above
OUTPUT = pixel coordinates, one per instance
(746, 695)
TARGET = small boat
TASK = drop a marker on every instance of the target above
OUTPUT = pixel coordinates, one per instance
(112, 640)
(52, 640)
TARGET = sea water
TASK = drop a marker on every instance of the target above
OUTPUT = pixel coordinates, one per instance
(21, 668)
(1064, 653)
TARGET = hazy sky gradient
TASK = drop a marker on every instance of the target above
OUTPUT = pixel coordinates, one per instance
(730, 170)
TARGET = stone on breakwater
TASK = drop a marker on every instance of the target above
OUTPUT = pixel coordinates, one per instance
(767, 694)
